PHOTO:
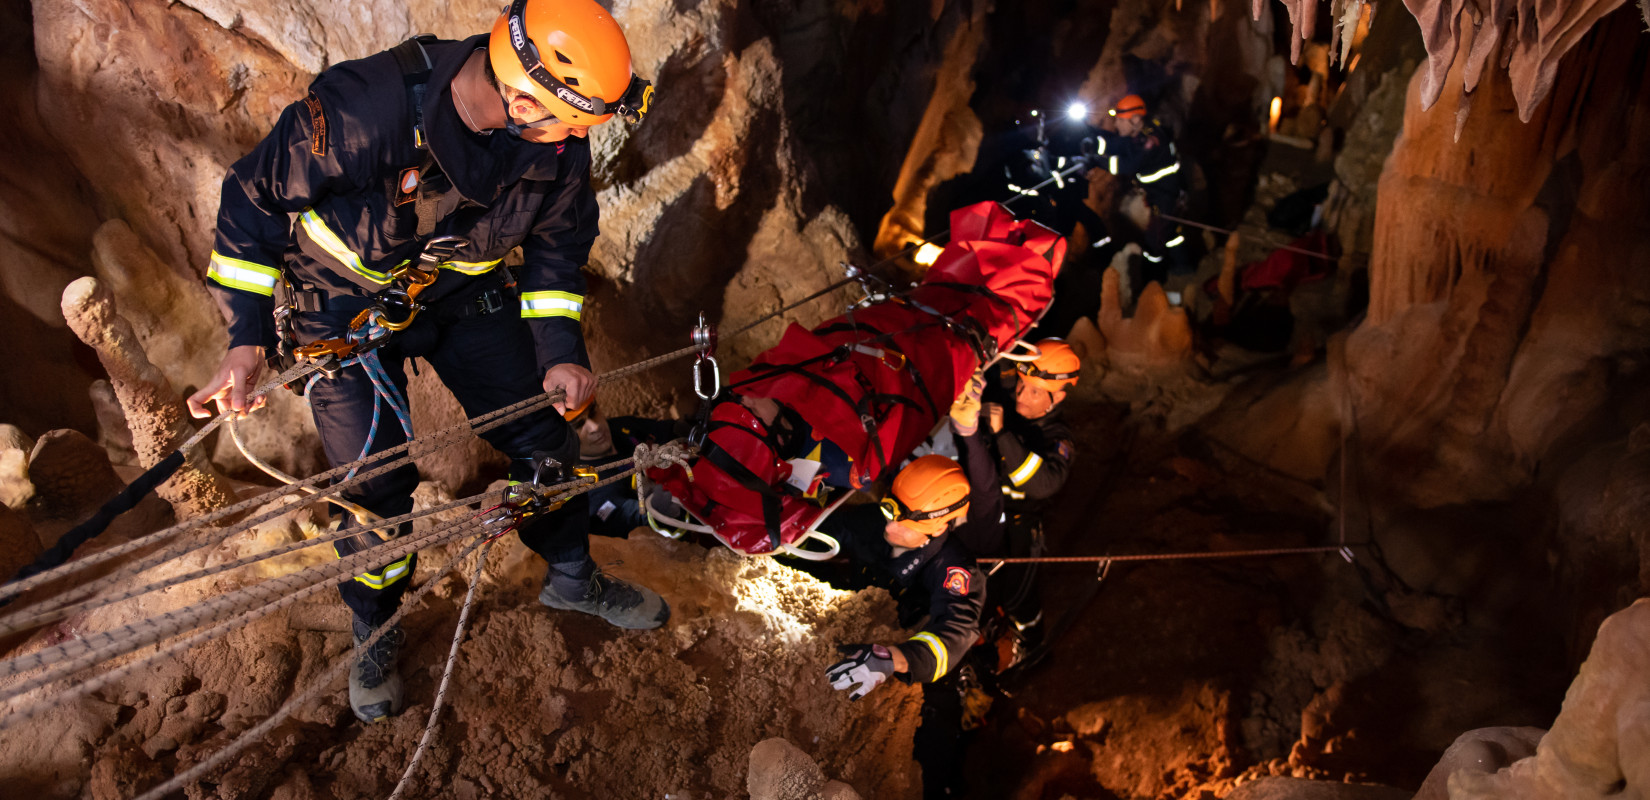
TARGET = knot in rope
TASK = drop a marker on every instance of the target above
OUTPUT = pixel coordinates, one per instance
(659, 456)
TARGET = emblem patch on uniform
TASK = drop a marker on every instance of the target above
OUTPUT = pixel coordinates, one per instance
(956, 581)
(317, 121)
(406, 187)
(1064, 449)
(561, 147)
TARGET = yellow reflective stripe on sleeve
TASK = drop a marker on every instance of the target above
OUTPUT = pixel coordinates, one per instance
(1160, 174)
(1111, 165)
(1175, 242)
(329, 241)
(1026, 469)
(244, 275)
(551, 304)
(1013, 494)
(942, 660)
(472, 267)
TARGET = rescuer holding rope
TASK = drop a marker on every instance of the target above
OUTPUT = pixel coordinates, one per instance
(412, 173)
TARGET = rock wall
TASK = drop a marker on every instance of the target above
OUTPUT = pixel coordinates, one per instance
(1503, 307)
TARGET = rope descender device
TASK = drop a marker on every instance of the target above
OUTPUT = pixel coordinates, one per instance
(524, 500)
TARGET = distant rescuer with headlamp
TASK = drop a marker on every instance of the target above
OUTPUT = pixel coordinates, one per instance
(913, 544)
(412, 174)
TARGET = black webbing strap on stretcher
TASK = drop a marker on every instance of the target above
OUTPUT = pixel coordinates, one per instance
(725, 461)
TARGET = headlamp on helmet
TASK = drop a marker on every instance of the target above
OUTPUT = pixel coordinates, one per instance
(895, 511)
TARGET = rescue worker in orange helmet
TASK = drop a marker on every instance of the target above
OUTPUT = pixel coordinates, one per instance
(911, 544)
(1032, 449)
(444, 155)
(1143, 152)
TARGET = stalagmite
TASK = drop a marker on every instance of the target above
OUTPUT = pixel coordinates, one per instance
(154, 411)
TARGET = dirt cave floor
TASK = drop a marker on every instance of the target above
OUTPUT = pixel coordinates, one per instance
(1184, 679)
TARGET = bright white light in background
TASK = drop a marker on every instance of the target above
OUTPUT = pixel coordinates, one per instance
(1277, 111)
(1077, 111)
(927, 254)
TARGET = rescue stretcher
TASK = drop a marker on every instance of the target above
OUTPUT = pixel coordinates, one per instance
(872, 384)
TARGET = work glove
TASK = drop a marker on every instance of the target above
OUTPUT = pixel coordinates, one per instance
(864, 669)
(965, 412)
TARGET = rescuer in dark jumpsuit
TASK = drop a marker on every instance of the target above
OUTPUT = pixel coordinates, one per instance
(1143, 151)
(914, 544)
(472, 139)
(1032, 448)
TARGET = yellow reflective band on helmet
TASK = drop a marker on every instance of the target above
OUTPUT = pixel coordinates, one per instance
(551, 304)
(942, 660)
(1175, 242)
(1026, 469)
(472, 267)
(244, 275)
(389, 575)
(1160, 174)
(323, 236)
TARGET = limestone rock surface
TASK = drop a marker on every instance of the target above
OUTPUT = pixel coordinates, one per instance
(1599, 745)
(781, 771)
(71, 473)
(18, 542)
(1499, 305)
(1483, 751)
(154, 412)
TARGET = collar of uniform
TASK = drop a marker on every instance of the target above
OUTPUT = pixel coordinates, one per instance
(479, 166)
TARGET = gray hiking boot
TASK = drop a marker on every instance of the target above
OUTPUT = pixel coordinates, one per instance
(374, 685)
(621, 603)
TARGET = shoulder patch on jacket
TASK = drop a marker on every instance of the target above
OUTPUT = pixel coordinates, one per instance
(1064, 449)
(317, 121)
(956, 581)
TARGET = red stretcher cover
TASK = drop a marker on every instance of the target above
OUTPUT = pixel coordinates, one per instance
(874, 383)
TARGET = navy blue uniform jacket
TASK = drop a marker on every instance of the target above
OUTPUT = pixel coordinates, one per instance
(322, 198)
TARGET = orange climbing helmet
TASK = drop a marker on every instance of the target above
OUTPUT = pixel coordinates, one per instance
(1056, 367)
(571, 56)
(927, 495)
(1129, 107)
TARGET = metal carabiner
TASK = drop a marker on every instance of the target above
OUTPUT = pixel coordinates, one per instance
(716, 378)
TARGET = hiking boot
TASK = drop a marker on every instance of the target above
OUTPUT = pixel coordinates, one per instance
(374, 685)
(621, 603)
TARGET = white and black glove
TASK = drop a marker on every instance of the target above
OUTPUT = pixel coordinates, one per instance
(864, 669)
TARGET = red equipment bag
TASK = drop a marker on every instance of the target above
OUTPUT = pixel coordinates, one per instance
(874, 382)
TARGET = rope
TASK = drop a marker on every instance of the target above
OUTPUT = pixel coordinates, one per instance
(75, 654)
(362, 515)
(326, 679)
(97, 682)
(404, 453)
(1344, 550)
(1263, 239)
(446, 675)
(25, 619)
